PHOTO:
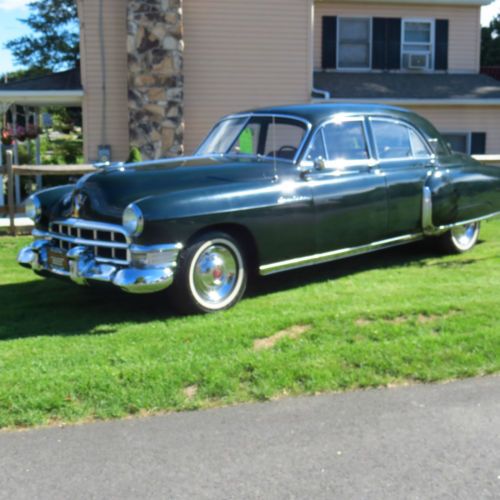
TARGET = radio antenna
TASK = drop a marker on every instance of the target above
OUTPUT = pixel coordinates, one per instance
(275, 168)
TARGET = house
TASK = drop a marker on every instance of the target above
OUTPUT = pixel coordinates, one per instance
(157, 74)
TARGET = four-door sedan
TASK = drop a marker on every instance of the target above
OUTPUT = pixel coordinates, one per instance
(267, 191)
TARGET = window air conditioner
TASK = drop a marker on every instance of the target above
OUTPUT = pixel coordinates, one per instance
(418, 60)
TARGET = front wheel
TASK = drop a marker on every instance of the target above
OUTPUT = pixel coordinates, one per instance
(460, 239)
(212, 275)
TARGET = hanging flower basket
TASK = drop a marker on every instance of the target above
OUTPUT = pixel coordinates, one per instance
(7, 136)
(32, 131)
(20, 133)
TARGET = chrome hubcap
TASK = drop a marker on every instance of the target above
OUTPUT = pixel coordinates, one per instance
(215, 275)
(464, 237)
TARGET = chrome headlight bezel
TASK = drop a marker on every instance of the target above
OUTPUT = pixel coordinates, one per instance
(133, 220)
(33, 208)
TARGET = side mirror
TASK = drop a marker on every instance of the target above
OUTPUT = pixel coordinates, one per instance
(320, 163)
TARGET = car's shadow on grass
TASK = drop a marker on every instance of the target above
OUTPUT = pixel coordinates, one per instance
(54, 307)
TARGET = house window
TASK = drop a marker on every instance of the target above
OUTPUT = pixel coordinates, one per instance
(417, 44)
(459, 142)
(354, 36)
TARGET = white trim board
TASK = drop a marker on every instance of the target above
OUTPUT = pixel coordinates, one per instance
(478, 3)
(42, 97)
(413, 102)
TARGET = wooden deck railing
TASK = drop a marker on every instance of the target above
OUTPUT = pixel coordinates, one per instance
(11, 170)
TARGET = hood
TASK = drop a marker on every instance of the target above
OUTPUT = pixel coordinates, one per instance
(104, 195)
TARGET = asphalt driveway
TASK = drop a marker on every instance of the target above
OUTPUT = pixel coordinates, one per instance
(434, 441)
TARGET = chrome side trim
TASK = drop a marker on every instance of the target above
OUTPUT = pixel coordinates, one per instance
(465, 222)
(311, 260)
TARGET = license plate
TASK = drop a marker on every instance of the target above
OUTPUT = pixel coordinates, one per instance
(57, 259)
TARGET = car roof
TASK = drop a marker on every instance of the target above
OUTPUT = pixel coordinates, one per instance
(317, 113)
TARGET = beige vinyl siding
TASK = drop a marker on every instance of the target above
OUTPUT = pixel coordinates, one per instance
(466, 119)
(242, 54)
(465, 27)
(115, 132)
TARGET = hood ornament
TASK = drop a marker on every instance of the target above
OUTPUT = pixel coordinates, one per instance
(78, 203)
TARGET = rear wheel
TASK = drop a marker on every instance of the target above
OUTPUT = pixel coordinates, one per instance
(212, 275)
(460, 239)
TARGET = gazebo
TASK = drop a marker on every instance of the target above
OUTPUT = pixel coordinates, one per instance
(27, 97)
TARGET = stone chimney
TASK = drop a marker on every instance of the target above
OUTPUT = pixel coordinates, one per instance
(155, 49)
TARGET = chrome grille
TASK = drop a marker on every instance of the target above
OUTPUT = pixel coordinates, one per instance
(108, 242)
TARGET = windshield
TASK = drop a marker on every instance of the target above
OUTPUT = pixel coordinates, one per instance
(267, 136)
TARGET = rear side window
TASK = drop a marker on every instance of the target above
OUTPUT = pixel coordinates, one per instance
(397, 141)
(346, 141)
(392, 140)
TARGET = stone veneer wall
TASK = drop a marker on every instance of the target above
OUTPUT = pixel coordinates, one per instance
(155, 49)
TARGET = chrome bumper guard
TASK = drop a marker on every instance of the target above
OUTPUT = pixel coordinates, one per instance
(151, 269)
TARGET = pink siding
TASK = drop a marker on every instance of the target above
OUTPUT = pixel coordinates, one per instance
(466, 119)
(115, 39)
(242, 54)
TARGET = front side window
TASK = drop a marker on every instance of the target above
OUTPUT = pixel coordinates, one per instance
(267, 136)
(317, 149)
(354, 35)
(418, 42)
(345, 141)
(397, 141)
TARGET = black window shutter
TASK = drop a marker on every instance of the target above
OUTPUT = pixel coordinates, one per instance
(441, 50)
(478, 143)
(379, 38)
(329, 49)
(394, 43)
(386, 43)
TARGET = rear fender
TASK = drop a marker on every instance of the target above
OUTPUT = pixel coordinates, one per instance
(454, 197)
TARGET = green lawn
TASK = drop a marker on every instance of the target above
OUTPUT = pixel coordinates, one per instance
(70, 354)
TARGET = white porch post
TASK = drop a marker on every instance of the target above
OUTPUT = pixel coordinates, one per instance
(17, 181)
(2, 196)
(4, 107)
(38, 151)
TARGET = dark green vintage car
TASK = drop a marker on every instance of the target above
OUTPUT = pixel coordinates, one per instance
(267, 191)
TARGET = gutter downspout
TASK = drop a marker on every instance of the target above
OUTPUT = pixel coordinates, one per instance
(323, 93)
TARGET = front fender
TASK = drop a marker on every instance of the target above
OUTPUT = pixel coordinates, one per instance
(177, 215)
(55, 202)
(278, 214)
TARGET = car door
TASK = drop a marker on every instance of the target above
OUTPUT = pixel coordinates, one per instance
(407, 161)
(349, 194)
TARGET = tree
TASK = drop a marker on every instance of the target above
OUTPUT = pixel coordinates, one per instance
(54, 43)
(490, 43)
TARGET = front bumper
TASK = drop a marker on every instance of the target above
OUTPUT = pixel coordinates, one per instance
(81, 266)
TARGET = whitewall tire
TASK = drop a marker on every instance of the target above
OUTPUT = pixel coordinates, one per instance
(212, 275)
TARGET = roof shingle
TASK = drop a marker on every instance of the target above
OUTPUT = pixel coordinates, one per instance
(407, 85)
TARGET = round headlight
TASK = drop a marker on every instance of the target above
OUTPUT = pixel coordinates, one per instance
(33, 208)
(133, 220)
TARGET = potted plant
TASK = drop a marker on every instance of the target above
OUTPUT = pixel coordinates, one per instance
(20, 133)
(32, 131)
(7, 136)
